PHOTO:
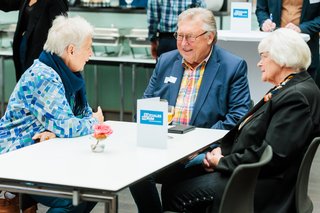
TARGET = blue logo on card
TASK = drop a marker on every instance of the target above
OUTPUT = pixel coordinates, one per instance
(240, 13)
(151, 117)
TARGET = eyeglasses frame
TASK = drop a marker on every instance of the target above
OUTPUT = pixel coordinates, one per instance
(176, 36)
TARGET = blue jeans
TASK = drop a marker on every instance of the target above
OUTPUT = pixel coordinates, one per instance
(63, 205)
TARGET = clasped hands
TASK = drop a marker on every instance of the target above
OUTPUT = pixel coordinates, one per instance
(212, 159)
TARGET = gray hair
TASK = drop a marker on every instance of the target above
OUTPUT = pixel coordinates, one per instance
(287, 48)
(66, 31)
(209, 21)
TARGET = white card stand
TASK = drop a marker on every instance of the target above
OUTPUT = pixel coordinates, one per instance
(152, 123)
(240, 19)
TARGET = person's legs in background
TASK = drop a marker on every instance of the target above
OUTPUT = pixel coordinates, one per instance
(166, 44)
(145, 193)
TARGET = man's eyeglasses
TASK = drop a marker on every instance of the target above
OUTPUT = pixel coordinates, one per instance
(189, 38)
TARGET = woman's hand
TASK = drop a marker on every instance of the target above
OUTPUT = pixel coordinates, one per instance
(43, 136)
(212, 159)
(98, 115)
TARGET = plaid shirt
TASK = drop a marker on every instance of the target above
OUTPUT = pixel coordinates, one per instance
(163, 14)
(187, 96)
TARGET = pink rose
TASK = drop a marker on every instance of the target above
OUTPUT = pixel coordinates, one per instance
(102, 130)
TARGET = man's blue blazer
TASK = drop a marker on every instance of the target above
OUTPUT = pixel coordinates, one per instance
(223, 97)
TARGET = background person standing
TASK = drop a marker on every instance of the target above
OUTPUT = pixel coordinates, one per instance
(300, 15)
(162, 22)
(34, 21)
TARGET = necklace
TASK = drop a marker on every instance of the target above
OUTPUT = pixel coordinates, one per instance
(276, 89)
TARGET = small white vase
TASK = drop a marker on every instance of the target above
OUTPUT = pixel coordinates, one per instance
(98, 145)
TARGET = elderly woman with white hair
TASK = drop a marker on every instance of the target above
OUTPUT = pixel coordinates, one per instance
(51, 94)
(287, 119)
(50, 97)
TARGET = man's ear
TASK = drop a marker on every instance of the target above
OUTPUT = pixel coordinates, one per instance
(210, 38)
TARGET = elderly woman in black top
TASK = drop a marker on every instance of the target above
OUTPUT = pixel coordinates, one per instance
(287, 118)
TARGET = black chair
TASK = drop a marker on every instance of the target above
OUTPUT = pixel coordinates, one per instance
(303, 201)
(238, 195)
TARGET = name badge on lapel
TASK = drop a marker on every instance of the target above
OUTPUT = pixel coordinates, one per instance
(170, 79)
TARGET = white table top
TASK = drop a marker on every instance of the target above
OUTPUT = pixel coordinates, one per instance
(228, 35)
(70, 162)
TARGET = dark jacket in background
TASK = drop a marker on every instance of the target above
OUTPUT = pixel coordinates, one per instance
(39, 23)
(309, 23)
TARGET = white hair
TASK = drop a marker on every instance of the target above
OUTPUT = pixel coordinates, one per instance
(66, 31)
(287, 48)
(207, 17)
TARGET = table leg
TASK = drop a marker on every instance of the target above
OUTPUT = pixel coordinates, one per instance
(111, 206)
(133, 90)
(2, 85)
(121, 91)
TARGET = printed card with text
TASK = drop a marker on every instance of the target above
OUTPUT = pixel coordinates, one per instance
(240, 16)
(152, 119)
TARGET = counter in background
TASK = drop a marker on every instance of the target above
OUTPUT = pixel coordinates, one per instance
(245, 45)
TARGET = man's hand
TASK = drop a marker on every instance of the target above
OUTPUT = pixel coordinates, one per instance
(154, 48)
(43, 136)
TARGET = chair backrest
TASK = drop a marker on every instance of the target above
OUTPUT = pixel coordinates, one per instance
(238, 195)
(303, 201)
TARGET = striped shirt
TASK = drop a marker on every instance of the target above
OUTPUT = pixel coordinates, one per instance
(162, 15)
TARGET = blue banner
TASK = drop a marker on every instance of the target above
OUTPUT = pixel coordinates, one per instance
(151, 117)
(240, 13)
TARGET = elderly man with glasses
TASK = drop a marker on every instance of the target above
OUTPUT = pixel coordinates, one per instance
(207, 85)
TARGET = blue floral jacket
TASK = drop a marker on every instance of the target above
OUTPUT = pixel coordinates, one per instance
(38, 103)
